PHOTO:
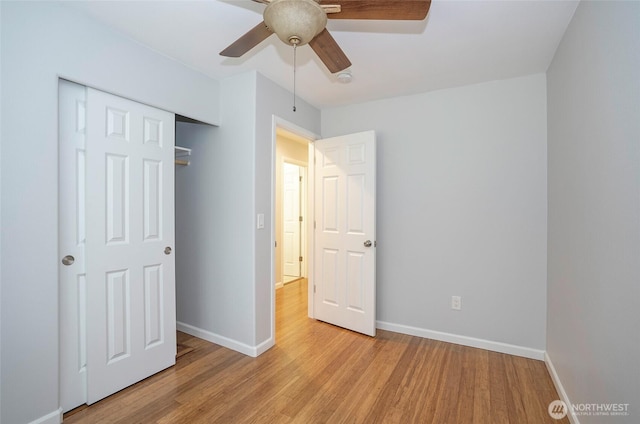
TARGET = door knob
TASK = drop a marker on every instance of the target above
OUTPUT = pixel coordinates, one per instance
(68, 260)
(167, 250)
(367, 243)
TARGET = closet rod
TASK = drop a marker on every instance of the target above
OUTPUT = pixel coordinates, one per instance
(182, 162)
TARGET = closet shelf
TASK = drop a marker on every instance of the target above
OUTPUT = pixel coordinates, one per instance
(182, 152)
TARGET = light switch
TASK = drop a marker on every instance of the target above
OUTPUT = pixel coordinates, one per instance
(260, 223)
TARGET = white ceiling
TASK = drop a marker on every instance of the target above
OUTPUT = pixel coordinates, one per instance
(460, 43)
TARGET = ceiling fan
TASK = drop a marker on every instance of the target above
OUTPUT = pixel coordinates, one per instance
(298, 22)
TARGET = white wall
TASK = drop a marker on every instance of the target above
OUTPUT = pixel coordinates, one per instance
(215, 222)
(40, 42)
(593, 341)
(271, 100)
(223, 263)
(461, 211)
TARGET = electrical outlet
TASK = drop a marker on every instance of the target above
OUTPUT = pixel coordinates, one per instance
(456, 303)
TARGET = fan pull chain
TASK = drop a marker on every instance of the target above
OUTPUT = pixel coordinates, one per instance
(294, 76)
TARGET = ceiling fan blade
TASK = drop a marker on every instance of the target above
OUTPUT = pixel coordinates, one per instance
(247, 41)
(408, 10)
(329, 52)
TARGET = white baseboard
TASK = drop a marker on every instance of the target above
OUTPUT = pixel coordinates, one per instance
(54, 417)
(560, 388)
(526, 352)
(279, 285)
(264, 346)
(252, 351)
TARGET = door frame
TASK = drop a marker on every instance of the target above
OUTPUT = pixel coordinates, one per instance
(278, 122)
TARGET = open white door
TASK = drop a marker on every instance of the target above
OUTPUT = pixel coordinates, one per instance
(291, 220)
(131, 322)
(344, 242)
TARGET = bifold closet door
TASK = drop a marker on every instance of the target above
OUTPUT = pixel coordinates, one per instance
(118, 290)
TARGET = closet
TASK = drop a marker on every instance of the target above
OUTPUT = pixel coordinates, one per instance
(116, 242)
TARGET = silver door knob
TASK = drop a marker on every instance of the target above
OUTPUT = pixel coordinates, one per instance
(367, 243)
(68, 260)
(167, 250)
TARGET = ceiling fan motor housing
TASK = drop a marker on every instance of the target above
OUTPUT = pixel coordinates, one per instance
(295, 22)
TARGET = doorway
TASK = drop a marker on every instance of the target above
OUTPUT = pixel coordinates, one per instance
(341, 206)
(292, 151)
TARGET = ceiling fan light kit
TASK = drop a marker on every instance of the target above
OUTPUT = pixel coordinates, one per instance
(295, 22)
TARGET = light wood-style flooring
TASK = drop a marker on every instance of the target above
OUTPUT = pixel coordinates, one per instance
(318, 373)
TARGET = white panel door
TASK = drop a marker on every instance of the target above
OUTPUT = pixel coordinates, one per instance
(131, 323)
(344, 246)
(71, 217)
(291, 219)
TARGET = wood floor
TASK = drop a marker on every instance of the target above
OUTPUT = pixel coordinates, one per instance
(318, 373)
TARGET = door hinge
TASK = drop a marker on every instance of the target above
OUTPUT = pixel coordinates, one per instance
(300, 178)
(300, 219)
(300, 258)
(314, 225)
(276, 243)
(314, 289)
